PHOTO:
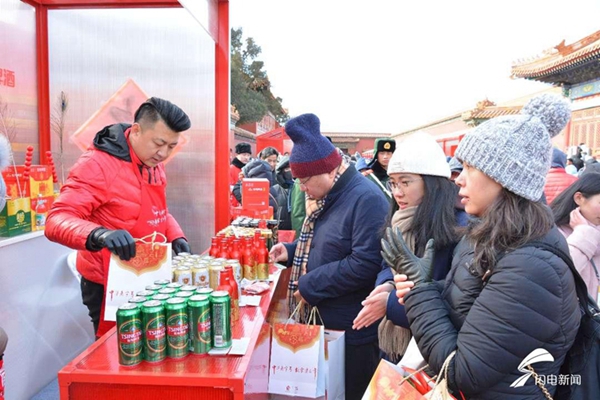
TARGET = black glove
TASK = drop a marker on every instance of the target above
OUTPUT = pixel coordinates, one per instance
(396, 253)
(181, 246)
(119, 242)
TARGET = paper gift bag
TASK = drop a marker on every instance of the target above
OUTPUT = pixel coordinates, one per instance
(412, 357)
(297, 360)
(335, 353)
(257, 378)
(152, 261)
(389, 383)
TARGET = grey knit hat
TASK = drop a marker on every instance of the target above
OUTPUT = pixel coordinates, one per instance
(515, 150)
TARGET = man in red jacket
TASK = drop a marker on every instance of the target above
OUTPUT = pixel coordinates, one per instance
(117, 191)
(557, 179)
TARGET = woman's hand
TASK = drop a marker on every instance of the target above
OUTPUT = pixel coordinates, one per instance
(403, 286)
(576, 218)
(373, 306)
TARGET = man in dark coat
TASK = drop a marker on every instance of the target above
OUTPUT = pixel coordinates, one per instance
(336, 259)
(377, 168)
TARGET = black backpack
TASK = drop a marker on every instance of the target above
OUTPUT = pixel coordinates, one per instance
(583, 359)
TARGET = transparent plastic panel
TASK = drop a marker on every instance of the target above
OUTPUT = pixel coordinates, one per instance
(103, 60)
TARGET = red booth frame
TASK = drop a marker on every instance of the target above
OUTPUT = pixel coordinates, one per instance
(220, 33)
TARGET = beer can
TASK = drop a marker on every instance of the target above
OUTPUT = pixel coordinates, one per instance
(162, 282)
(138, 300)
(155, 335)
(129, 334)
(200, 275)
(162, 297)
(188, 288)
(184, 295)
(237, 269)
(146, 293)
(205, 291)
(200, 324)
(167, 290)
(213, 273)
(175, 285)
(183, 275)
(177, 327)
(220, 305)
(154, 288)
(184, 254)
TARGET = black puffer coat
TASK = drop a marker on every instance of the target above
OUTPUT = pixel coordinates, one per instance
(528, 302)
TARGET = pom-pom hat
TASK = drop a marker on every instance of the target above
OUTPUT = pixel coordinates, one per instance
(312, 153)
(515, 150)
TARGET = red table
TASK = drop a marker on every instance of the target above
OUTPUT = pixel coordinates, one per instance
(96, 373)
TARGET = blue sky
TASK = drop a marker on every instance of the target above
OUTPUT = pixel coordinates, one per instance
(390, 65)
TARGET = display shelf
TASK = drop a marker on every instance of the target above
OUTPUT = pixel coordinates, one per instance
(96, 373)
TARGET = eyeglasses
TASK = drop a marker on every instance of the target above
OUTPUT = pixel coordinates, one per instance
(391, 185)
(303, 184)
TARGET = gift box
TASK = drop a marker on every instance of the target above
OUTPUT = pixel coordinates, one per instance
(255, 193)
(15, 218)
(39, 182)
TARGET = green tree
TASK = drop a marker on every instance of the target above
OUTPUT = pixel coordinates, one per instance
(250, 86)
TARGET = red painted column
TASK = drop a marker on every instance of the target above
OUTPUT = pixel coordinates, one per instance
(222, 72)
(43, 81)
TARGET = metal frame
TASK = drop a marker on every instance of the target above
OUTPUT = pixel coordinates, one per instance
(221, 84)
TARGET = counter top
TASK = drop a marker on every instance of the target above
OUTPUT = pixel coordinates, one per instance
(7, 241)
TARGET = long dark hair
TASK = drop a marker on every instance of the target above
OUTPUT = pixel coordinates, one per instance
(510, 222)
(434, 217)
(588, 185)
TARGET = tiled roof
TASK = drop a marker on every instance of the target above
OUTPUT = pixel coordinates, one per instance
(490, 112)
(562, 57)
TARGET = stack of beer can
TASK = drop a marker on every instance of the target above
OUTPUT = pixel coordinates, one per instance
(171, 320)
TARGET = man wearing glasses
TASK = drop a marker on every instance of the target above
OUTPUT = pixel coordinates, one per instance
(117, 192)
(336, 259)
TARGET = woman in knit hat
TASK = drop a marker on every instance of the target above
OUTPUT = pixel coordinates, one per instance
(422, 208)
(505, 296)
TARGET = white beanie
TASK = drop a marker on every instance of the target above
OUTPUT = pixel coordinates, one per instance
(419, 154)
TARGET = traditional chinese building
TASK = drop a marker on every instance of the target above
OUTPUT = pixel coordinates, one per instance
(352, 142)
(576, 69)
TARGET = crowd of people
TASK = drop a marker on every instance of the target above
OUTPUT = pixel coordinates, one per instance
(453, 254)
(463, 255)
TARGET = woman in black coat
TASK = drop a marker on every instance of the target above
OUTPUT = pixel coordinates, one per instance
(504, 298)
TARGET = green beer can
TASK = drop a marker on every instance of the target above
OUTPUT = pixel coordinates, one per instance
(155, 335)
(205, 291)
(138, 300)
(184, 295)
(154, 288)
(145, 293)
(200, 329)
(188, 288)
(129, 334)
(170, 291)
(177, 328)
(174, 285)
(162, 282)
(161, 297)
(220, 314)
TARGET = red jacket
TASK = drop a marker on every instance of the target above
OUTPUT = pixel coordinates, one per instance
(101, 190)
(557, 180)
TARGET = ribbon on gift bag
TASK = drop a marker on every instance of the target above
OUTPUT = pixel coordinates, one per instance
(125, 278)
(297, 365)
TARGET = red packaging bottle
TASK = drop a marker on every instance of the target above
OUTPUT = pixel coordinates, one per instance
(226, 284)
(214, 247)
(262, 260)
(235, 297)
(249, 262)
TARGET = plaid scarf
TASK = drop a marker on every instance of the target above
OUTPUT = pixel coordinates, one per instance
(314, 208)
